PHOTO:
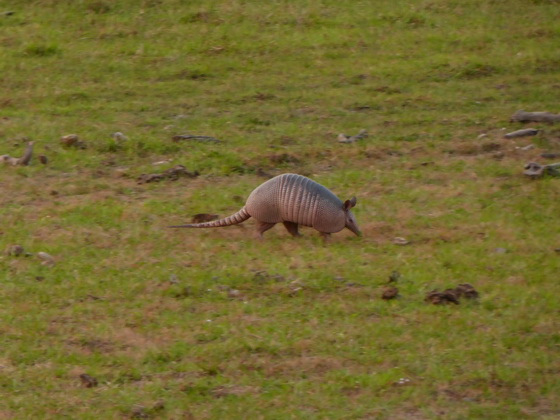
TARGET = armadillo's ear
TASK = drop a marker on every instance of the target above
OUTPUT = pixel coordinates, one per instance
(348, 204)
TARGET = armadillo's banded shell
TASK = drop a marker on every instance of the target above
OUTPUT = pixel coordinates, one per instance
(295, 198)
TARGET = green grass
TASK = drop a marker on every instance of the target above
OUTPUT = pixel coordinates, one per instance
(150, 313)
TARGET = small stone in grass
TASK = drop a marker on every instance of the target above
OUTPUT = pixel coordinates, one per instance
(88, 381)
(400, 241)
(46, 258)
(390, 293)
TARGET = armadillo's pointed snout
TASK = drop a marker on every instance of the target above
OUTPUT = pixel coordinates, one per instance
(355, 230)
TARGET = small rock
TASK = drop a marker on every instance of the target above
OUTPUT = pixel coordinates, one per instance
(402, 381)
(550, 155)
(389, 293)
(500, 250)
(15, 250)
(525, 148)
(88, 381)
(119, 137)
(162, 162)
(69, 140)
(204, 217)
(343, 138)
(173, 279)
(481, 136)
(72, 140)
(46, 258)
(400, 241)
(234, 294)
(534, 170)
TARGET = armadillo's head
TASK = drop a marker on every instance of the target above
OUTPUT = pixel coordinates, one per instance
(350, 219)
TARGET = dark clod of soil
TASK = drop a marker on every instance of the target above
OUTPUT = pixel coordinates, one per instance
(43, 159)
(88, 381)
(15, 250)
(283, 158)
(172, 174)
(550, 155)
(442, 298)
(204, 217)
(147, 178)
(390, 292)
(179, 171)
(466, 290)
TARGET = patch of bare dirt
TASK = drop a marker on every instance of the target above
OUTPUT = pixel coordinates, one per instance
(226, 390)
(389, 293)
(308, 365)
(204, 217)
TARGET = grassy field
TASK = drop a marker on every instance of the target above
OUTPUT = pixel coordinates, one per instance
(214, 324)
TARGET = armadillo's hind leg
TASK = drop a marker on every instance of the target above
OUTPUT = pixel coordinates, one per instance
(292, 228)
(262, 227)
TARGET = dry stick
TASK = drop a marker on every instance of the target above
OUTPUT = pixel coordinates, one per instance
(522, 133)
(198, 138)
(26, 158)
(23, 161)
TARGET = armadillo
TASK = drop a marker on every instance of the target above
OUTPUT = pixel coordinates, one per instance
(293, 200)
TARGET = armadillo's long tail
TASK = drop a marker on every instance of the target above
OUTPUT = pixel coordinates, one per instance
(234, 219)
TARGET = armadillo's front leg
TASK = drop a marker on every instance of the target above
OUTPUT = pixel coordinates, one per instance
(292, 228)
(262, 227)
(326, 236)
